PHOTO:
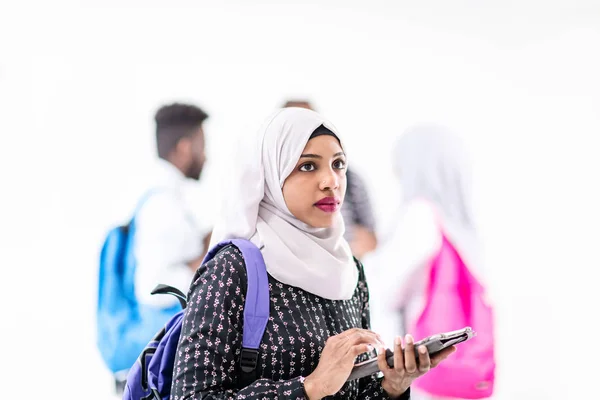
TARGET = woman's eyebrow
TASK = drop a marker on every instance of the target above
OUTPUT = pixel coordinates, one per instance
(341, 153)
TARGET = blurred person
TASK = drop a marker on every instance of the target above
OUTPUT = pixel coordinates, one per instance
(168, 244)
(285, 193)
(431, 165)
(357, 211)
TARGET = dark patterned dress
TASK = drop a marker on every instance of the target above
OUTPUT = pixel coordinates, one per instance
(207, 365)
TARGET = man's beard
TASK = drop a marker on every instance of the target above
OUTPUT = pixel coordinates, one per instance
(194, 171)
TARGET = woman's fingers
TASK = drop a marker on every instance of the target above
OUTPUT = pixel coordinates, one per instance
(351, 343)
(410, 362)
(424, 361)
(351, 332)
(356, 350)
(356, 335)
(382, 360)
(347, 333)
(442, 355)
(398, 354)
(362, 337)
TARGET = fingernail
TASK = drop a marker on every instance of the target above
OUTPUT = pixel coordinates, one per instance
(398, 341)
(409, 339)
(422, 349)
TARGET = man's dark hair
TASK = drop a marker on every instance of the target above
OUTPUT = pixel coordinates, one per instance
(174, 122)
(298, 103)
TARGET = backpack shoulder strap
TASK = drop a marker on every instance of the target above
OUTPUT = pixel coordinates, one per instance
(256, 307)
(149, 193)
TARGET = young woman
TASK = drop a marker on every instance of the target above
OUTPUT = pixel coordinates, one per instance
(285, 196)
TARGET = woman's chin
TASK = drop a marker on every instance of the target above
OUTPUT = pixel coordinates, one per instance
(321, 221)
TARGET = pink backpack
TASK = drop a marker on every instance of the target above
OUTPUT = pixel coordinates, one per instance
(456, 299)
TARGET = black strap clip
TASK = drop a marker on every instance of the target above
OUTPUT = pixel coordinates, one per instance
(249, 359)
(165, 289)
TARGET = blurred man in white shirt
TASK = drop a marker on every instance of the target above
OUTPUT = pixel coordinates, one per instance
(170, 242)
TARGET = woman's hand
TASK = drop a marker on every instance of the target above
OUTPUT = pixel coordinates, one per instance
(398, 379)
(337, 360)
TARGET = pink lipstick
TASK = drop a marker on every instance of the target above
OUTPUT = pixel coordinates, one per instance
(328, 204)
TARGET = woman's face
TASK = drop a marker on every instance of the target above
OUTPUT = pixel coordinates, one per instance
(315, 190)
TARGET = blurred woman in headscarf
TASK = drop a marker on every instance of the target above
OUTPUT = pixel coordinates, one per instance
(431, 165)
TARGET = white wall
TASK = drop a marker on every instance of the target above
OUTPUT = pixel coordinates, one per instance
(519, 80)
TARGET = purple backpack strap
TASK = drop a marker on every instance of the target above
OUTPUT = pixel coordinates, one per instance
(256, 308)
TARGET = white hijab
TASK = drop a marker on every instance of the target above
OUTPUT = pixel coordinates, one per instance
(317, 260)
(432, 164)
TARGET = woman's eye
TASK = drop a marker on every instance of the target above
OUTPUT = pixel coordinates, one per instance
(307, 167)
(339, 164)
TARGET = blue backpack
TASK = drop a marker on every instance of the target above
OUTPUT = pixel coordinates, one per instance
(124, 326)
(151, 376)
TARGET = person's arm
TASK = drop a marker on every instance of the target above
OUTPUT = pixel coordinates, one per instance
(398, 268)
(167, 248)
(206, 243)
(418, 240)
(364, 239)
(207, 364)
(195, 263)
(370, 387)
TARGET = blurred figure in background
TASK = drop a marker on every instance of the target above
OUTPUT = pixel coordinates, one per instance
(356, 210)
(170, 243)
(436, 221)
(167, 246)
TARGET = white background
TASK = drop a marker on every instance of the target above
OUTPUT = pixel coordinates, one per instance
(519, 80)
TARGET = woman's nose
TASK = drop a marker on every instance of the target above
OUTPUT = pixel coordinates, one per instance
(329, 181)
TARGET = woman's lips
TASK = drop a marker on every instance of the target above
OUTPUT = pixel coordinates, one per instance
(328, 204)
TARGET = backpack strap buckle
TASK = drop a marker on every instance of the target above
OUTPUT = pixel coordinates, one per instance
(249, 359)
